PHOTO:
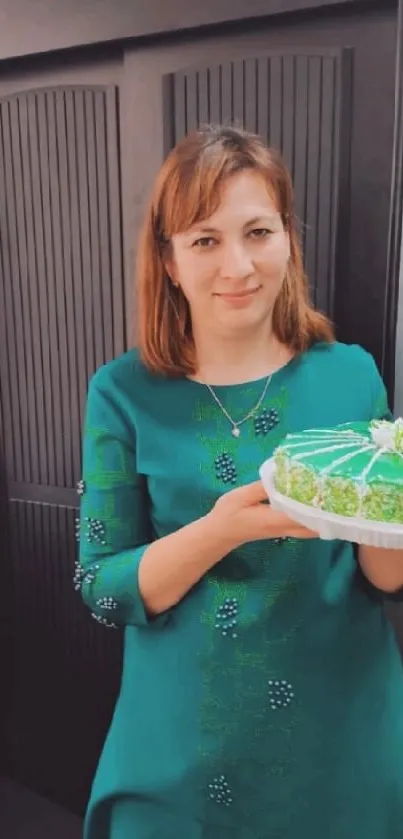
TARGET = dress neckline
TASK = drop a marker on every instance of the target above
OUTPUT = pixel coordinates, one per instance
(276, 375)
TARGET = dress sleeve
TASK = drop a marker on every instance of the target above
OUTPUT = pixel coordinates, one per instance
(113, 528)
(380, 404)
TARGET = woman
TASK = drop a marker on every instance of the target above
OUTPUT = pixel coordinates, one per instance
(262, 691)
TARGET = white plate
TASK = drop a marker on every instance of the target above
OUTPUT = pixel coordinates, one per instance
(330, 525)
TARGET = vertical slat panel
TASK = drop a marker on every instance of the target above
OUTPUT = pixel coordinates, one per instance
(41, 330)
(106, 303)
(83, 200)
(293, 101)
(34, 340)
(301, 139)
(215, 95)
(76, 252)
(55, 640)
(14, 306)
(288, 111)
(276, 103)
(327, 140)
(263, 97)
(251, 95)
(204, 96)
(313, 167)
(10, 404)
(48, 289)
(6, 416)
(115, 221)
(62, 272)
(168, 112)
(238, 93)
(31, 465)
(95, 325)
(22, 191)
(227, 93)
(192, 102)
(180, 105)
(66, 228)
(60, 262)
(64, 436)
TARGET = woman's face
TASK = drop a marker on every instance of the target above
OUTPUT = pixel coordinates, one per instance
(231, 266)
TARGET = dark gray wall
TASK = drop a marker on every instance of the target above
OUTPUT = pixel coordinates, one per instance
(33, 26)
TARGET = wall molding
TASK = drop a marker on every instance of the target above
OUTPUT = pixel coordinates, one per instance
(45, 26)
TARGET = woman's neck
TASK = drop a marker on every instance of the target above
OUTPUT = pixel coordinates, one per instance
(225, 362)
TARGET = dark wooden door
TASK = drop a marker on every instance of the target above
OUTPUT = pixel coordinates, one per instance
(61, 316)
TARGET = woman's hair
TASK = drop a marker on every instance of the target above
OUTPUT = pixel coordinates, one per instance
(188, 190)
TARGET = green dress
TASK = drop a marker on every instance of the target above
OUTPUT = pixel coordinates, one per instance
(268, 704)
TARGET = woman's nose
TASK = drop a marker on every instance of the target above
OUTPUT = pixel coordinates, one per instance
(236, 261)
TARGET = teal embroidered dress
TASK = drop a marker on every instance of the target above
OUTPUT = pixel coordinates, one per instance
(268, 704)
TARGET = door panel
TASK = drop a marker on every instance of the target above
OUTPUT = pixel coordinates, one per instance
(62, 315)
(366, 147)
(300, 103)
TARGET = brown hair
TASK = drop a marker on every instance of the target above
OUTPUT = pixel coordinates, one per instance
(188, 190)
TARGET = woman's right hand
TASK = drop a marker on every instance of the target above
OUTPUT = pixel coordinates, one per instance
(244, 515)
(172, 565)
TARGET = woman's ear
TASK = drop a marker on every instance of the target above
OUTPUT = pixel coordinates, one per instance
(288, 242)
(170, 272)
(169, 265)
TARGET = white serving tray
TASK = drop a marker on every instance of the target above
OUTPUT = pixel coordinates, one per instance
(329, 525)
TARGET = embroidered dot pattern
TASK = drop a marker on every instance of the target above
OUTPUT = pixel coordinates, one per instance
(107, 603)
(227, 617)
(94, 531)
(220, 791)
(281, 694)
(81, 488)
(266, 421)
(225, 468)
(79, 575)
(82, 576)
(103, 621)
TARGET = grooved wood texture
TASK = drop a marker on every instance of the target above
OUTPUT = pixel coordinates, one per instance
(297, 102)
(61, 316)
(61, 285)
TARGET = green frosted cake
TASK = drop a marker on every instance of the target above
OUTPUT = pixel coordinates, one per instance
(353, 470)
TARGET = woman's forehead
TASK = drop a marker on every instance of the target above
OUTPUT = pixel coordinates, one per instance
(246, 193)
(243, 197)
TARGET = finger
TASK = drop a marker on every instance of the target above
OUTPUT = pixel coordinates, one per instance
(251, 493)
(289, 523)
(293, 529)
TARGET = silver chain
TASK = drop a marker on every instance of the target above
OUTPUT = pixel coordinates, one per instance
(236, 430)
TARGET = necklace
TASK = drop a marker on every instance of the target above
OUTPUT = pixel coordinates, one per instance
(236, 426)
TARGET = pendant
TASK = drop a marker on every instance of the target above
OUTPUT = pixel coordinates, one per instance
(235, 431)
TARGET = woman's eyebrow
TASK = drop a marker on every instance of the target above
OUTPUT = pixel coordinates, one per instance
(267, 219)
(271, 219)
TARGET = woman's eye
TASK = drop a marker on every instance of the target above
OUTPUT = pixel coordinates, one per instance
(204, 242)
(259, 233)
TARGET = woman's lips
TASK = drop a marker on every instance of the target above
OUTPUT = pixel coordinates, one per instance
(238, 296)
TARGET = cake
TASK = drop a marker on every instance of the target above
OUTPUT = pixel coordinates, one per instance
(353, 470)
